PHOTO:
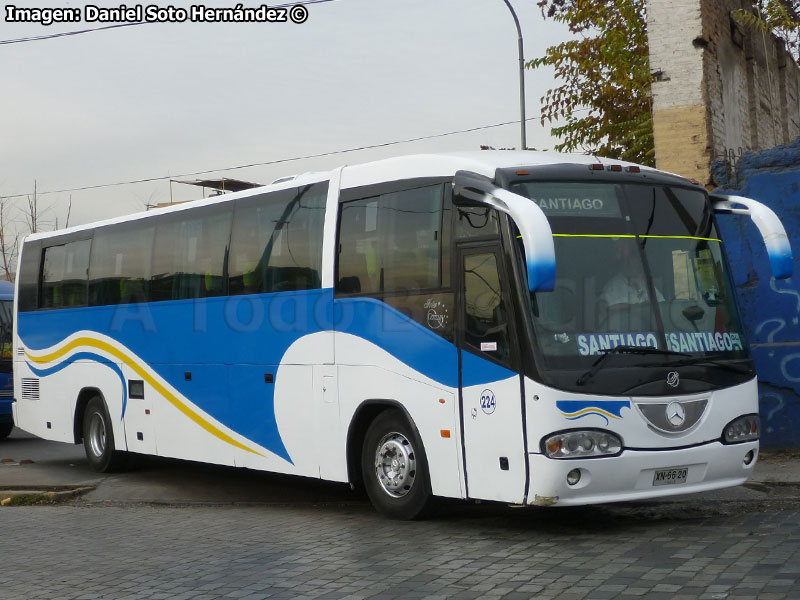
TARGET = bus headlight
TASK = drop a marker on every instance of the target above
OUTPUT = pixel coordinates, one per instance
(581, 444)
(743, 429)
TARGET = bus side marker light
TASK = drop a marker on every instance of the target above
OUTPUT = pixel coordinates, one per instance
(442, 400)
(522, 172)
(596, 167)
(445, 433)
(147, 411)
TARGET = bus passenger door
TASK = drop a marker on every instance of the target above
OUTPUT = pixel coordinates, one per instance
(490, 384)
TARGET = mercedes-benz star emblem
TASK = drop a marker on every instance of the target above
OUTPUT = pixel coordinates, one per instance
(673, 379)
(675, 414)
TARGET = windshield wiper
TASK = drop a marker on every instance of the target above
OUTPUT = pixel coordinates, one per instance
(704, 361)
(623, 349)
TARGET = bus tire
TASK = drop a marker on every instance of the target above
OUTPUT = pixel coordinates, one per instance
(5, 430)
(395, 469)
(98, 438)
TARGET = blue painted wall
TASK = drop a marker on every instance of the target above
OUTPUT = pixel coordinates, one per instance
(770, 307)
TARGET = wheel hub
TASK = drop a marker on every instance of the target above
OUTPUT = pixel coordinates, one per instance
(395, 465)
(97, 435)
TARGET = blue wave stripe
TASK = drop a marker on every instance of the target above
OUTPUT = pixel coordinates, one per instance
(87, 356)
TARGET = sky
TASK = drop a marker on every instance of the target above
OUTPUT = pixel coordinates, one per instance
(169, 99)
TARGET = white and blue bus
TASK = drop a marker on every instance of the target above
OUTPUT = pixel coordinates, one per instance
(522, 327)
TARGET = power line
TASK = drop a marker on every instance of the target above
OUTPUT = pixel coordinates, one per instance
(37, 38)
(271, 162)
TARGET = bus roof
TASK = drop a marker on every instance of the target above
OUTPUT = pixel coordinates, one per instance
(484, 162)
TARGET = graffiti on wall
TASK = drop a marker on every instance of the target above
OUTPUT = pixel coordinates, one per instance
(770, 308)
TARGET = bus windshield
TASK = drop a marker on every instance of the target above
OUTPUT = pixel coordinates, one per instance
(636, 265)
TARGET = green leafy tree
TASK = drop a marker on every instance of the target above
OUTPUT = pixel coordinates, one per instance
(779, 17)
(604, 102)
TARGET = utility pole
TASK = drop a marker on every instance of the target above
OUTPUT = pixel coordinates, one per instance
(523, 143)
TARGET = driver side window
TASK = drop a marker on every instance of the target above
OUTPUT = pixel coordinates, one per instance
(486, 320)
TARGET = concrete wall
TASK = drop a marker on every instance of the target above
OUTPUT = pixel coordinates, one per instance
(771, 309)
(718, 86)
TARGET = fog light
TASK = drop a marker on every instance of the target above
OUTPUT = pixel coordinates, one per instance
(574, 476)
(748, 458)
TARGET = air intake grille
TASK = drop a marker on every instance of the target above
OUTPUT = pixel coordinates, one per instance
(30, 388)
(673, 417)
(20, 351)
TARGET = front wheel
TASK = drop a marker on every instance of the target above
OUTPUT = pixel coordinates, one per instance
(98, 438)
(5, 430)
(395, 468)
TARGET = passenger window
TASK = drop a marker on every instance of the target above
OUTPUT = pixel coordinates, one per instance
(391, 242)
(486, 321)
(120, 270)
(64, 275)
(189, 256)
(276, 243)
(52, 277)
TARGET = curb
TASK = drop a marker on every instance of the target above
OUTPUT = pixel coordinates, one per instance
(26, 497)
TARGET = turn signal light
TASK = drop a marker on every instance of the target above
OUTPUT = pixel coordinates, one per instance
(589, 443)
(743, 429)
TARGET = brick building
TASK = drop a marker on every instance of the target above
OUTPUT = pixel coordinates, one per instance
(719, 86)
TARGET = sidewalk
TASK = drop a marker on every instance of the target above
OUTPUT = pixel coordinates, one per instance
(778, 466)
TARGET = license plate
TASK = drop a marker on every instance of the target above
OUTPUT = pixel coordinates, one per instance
(673, 476)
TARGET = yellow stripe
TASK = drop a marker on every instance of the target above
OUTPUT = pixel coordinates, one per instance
(586, 411)
(171, 398)
(669, 237)
(593, 235)
(682, 237)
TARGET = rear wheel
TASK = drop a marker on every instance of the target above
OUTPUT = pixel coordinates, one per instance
(395, 468)
(98, 438)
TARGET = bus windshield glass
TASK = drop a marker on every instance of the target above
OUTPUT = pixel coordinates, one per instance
(636, 265)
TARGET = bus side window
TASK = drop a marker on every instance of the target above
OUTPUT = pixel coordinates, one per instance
(276, 242)
(476, 222)
(391, 243)
(64, 275)
(189, 256)
(392, 247)
(486, 321)
(52, 276)
(120, 265)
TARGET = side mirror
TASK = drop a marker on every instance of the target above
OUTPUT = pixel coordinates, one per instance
(769, 225)
(472, 189)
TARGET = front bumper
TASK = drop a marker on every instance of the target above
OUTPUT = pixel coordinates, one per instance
(629, 476)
